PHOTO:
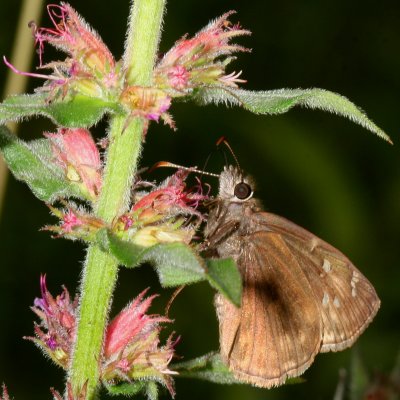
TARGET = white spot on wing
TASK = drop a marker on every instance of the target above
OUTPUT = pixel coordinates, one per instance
(314, 243)
(325, 299)
(355, 278)
(326, 265)
(336, 302)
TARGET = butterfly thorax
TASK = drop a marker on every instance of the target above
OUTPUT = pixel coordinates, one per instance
(230, 217)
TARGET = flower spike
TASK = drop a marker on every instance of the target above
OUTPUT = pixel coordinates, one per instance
(198, 61)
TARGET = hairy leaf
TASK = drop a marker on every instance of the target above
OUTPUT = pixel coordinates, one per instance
(208, 367)
(80, 112)
(32, 163)
(178, 264)
(223, 275)
(175, 263)
(282, 100)
(126, 389)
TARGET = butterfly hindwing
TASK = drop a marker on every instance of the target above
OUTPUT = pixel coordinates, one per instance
(278, 330)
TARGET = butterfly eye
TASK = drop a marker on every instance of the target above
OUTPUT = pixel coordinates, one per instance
(242, 191)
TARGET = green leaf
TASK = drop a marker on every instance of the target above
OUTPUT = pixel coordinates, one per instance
(32, 163)
(223, 275)
(208, 367)
(126, 389)
(148, 388)
(81, 111)
(282, 100)
(125, 252)
(176, 263)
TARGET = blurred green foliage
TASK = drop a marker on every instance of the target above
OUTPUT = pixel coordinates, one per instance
(321, 171)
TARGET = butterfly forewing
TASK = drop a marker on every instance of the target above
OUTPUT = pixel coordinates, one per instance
(347, 300)
(300, 295)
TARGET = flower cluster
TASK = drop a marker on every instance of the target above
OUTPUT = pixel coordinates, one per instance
(201, 60)
(90, 67)
(167, 213)
(55, 334)
(75, 223)
(159, 216)
(131, 341)
(131, 349)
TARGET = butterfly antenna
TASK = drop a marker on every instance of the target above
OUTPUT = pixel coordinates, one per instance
(206, 161)
(222, 140)
(171, 300)
(190, 169)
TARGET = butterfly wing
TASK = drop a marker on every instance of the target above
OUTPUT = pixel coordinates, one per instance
(278, 330)
(300, 295)
(346, 299)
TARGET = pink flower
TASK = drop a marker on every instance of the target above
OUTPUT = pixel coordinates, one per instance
(166, 214)
(74, 36)
(70, 221)
(77, 153)
(5, 395)
(56, 333)
(178, 77)
(75, 223)
(89, 69)
(161, 216)
(172, 195)
(197, 61)
(130, 323)
(131, 348)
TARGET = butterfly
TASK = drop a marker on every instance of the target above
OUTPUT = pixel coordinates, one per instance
(301, 296)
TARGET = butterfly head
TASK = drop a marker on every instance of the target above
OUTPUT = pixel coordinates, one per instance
(234, 185)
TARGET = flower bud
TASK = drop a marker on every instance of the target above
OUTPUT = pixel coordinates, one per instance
(76, 152)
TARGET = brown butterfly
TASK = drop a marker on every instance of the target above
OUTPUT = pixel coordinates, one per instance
(301, 296)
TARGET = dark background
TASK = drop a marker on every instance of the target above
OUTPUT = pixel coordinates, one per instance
(321, 171)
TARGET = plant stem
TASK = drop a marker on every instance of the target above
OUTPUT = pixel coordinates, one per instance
(143, 38)
(125, 136)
